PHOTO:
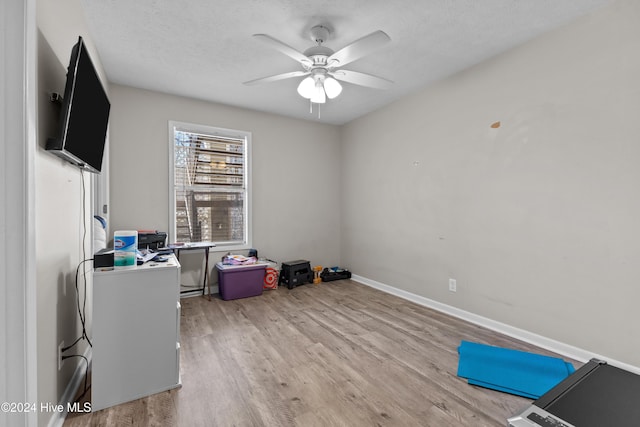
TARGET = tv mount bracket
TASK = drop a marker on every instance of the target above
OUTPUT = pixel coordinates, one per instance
(56, 98)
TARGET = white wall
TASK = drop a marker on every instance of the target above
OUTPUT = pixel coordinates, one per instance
(295, 173)
(538, 220)
(18, 337)
(59, 207)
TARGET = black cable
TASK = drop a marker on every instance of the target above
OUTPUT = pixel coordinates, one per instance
(80, 312)
(86, 373)
(86, 389)
(84, 256)
(70, 346)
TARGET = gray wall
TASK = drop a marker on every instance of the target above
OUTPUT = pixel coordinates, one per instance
(537, 220)
(295, 173)
(59, 207)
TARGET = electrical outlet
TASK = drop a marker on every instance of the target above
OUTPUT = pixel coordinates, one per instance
(452, 285)
(60, 361)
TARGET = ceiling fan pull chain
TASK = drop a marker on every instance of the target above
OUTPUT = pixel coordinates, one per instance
(319, 111)
(310, 107)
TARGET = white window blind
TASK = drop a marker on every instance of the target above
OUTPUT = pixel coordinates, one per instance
(210, 179)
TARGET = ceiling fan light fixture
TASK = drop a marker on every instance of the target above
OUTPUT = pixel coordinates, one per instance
(319, 96)
(332, 87)
(307, 88)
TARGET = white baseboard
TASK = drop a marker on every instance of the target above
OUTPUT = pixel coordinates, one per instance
(57, 420)
(561, 348)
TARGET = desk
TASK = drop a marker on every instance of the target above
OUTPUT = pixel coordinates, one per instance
(177, 248)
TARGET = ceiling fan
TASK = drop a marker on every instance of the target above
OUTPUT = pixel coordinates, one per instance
(322, 66)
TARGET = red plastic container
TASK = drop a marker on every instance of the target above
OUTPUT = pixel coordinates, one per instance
(240, 281)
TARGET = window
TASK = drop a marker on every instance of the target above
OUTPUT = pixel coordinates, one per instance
(210, 185)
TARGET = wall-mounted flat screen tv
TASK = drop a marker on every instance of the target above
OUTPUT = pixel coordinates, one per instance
(84, 114)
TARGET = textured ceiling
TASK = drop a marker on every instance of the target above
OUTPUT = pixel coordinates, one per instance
(203, 48)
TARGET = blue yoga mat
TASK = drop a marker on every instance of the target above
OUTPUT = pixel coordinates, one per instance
(511, 371)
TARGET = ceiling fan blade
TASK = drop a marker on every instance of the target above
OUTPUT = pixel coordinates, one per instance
(277, 77)
(358, 49)
(361, 79)
(284, 48)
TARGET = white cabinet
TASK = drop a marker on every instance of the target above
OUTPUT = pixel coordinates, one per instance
(136, 332)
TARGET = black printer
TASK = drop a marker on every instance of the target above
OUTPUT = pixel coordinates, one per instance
(152, 240)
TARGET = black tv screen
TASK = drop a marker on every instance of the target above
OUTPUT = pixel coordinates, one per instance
(84, 114)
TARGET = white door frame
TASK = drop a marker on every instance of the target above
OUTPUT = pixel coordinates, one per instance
(18, 133)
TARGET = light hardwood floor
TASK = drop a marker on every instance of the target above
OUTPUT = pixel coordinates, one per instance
(334, 354)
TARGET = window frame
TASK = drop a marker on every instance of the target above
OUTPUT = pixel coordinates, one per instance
(220, 132)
